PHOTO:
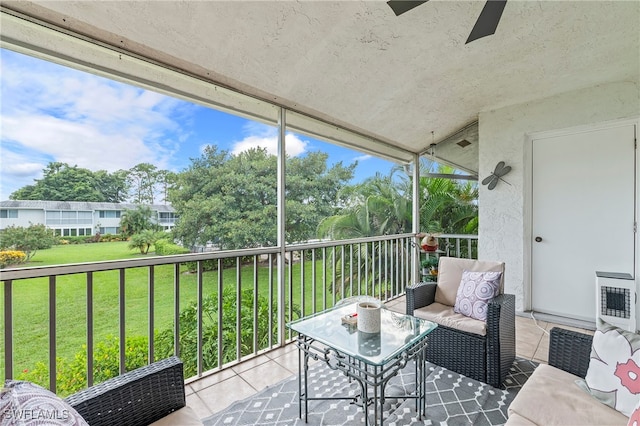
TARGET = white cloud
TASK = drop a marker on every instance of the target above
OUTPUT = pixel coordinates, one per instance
(364, 157)
(78, 143)
(54, 113)
(293, 144)
(18, 170)
(263, 136)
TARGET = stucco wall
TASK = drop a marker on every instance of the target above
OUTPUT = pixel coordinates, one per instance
(504, 213)
(24, 219)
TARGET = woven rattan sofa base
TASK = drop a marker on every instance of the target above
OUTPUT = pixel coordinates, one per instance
(570, 351)
(458, 351)
(484, 358)
(138, 397)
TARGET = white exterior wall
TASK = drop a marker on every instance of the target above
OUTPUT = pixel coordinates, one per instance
(25, 218)
(105, 221)
(504, 134)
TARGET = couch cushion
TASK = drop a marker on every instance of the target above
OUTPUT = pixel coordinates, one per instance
(516, 419)
(474, 293)
(444, 315)
(634, 418)
(31, 404)
(450, 271)
(551, 397)
(613, 375)
(183, 417)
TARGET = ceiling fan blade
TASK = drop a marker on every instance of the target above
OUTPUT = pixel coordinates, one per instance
(488, 20)
(401, 6)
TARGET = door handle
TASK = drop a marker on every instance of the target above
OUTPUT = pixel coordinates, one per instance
(538, 239)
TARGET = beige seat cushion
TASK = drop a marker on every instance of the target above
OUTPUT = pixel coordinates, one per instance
(551, 397)
(517, 420)
(183, 417)
(450, 271)
(444, 315)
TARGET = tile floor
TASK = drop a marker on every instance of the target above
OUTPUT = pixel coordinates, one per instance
(217, 391)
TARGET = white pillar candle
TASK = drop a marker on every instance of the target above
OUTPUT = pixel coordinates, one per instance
(368, 317)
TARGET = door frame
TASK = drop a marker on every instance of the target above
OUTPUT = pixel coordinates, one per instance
(528, 197)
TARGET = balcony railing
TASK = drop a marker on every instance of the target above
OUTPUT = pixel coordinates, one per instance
(240, 300)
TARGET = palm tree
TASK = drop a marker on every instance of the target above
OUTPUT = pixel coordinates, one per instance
(381, 205)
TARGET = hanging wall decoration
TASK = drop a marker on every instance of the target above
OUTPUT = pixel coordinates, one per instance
(492, 180)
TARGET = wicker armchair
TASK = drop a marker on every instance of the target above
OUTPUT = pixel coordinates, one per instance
(138, 397)
(485, 355)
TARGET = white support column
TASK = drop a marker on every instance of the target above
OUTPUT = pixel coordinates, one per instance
(415, 260)
(281, 224)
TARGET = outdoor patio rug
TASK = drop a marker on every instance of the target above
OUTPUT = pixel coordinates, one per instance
(452, 399)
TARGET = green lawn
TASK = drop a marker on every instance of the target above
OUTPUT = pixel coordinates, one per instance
(31, 299)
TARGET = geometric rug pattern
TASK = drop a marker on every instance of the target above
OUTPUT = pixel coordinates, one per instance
(451, 399)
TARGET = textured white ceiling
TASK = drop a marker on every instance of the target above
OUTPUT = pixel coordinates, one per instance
(356, 64)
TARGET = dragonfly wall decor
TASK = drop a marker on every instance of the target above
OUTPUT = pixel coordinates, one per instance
(496, 175)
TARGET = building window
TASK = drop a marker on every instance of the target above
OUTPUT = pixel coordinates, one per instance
(8, 214)
(109, 214)
(53, 217)
(85, 218)
(167, 217)
(109, 230)
(68, 217)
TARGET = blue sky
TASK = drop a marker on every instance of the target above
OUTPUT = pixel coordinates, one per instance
(51, 113)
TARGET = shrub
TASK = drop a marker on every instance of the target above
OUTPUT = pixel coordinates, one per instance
(189, 336)
(71, 376)
(107, 238)
(80, 239)
(166, 248)
(212, 264)
(144, 240)
(28, 240)
(12, 257)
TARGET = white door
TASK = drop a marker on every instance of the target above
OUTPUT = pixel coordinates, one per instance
(583, 217)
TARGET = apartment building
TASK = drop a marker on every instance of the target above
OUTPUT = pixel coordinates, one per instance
(76, 218)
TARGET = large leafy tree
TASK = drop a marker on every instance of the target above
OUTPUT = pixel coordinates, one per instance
(143, 179)
(113, 186)
(164, 180)
(62, 182)
(231, 199)
(313, 192)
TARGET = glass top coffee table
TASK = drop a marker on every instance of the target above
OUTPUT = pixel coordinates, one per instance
(371, 359)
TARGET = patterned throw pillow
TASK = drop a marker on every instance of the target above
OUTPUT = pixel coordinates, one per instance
(613, 375)
(634, 419)
(474, 293)
(32, 405)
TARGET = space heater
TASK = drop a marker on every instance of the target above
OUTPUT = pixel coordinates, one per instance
(616, 299)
